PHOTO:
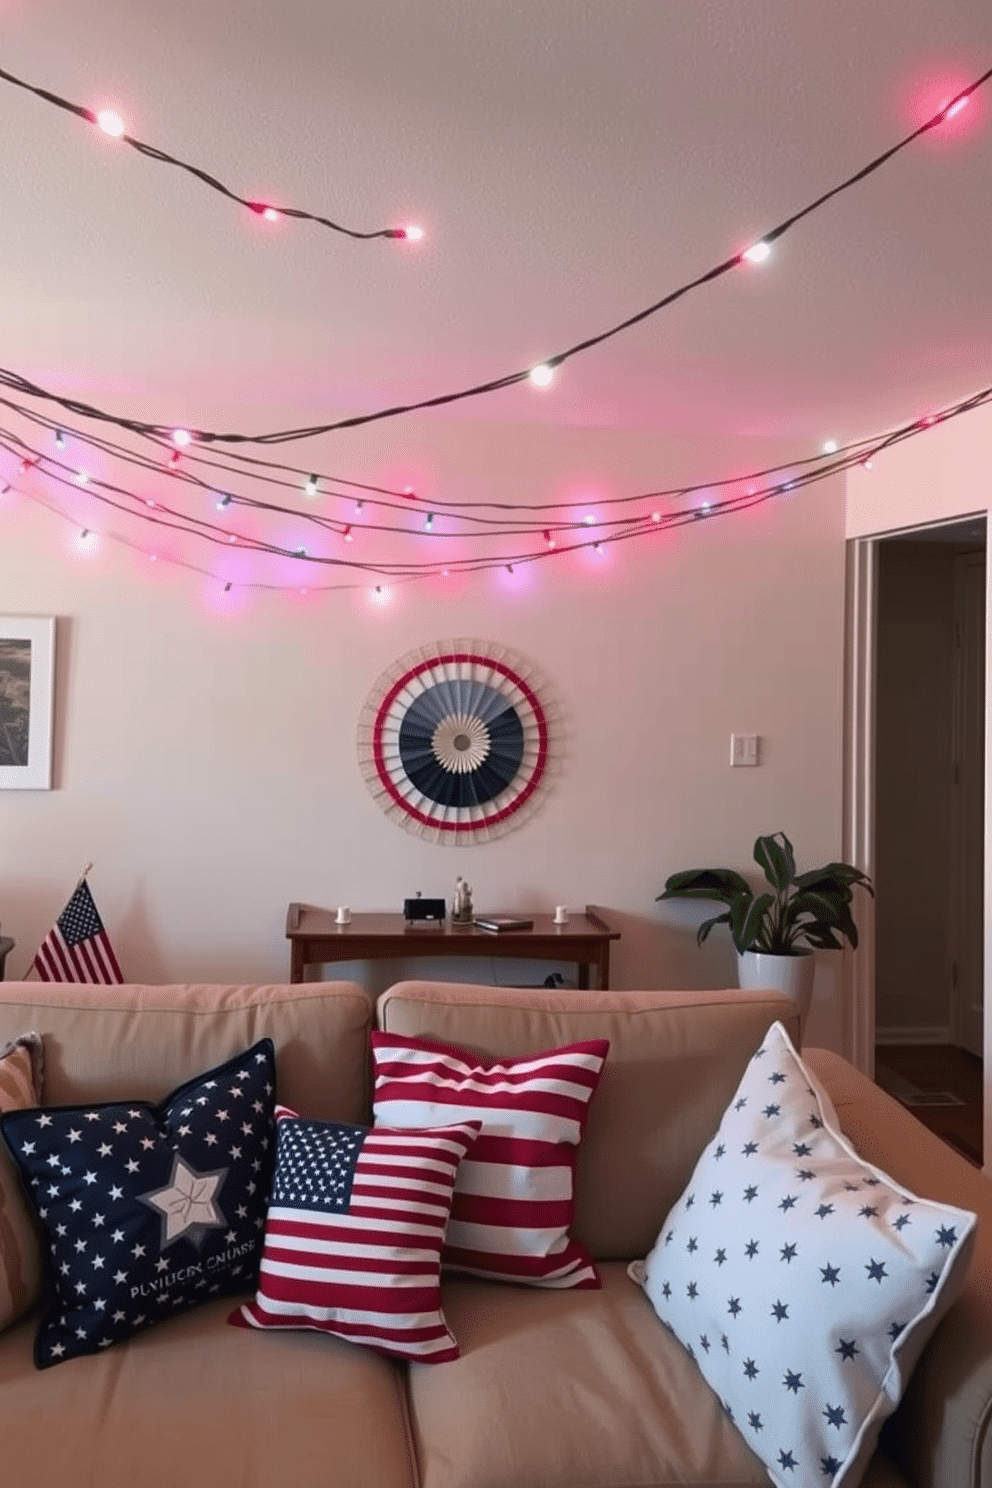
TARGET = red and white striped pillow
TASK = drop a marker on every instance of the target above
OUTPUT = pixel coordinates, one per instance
(353, 1234)
(514, 1195)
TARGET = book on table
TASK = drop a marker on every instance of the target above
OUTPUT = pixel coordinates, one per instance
(503, 922)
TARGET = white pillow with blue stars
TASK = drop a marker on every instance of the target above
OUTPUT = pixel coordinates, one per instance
(802, 1280)
(149, 1210)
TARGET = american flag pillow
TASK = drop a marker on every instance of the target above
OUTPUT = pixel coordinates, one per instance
(514, 1195)
(353, 1236)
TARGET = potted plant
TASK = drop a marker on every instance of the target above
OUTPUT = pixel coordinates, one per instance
(776, 933)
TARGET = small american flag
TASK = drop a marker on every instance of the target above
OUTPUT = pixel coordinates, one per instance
(77, 948)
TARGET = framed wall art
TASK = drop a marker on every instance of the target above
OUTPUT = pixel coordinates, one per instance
(27, 684)
(457, 741)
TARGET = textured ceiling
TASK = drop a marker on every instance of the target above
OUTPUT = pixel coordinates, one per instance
(570, 162)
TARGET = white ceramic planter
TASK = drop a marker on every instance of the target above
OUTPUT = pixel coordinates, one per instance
(790, 975)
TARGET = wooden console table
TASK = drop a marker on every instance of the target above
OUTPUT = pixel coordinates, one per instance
(315, 939)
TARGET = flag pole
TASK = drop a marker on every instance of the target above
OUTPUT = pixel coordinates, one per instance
(85, 874)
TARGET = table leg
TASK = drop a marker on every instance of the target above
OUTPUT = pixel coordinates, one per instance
(583, 976)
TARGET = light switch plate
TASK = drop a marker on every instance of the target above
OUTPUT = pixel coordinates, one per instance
(744, 749)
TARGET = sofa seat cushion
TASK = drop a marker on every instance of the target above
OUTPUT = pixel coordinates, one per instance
(197, 1403)
(578, 1389)
(562, 1389)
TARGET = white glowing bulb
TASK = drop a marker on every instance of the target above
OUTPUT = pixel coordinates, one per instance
(82, 477)
(59, 439)
(429, 522)
(541, 375)
(348, 535)
(110, 123)
(656, 516)
(85, 535)
(589, 520)
(153, 557)
(956, 107)
(830, 448)
(413, 234)
(181, 437)
(757, 253)
(311, 485)
(270, 214)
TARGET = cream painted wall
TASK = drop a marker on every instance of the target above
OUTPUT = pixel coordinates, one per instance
(206, 759)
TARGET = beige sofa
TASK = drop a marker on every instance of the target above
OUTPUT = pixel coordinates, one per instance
(576, 1389)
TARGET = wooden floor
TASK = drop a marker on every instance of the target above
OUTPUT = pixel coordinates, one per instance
(941, 1085)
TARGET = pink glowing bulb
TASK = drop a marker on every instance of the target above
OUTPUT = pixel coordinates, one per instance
(348, 535)
(413, 234)
(182, 437)
(110, 122)
(956, 107)
(656, 516)
(270, 214)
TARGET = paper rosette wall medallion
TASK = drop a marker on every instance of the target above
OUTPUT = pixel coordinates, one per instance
(456, 741)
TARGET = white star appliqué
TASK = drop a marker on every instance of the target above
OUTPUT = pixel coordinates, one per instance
(188, 1204)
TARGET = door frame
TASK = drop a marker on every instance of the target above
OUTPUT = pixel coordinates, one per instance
(858, 797)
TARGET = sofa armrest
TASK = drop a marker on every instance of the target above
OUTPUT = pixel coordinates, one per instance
(941, 1434)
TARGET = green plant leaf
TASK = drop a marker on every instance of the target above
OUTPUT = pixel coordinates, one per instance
(776, 859)
(747, 920)
(822, 938)
(834, 875)
(707, 926)
(722, 884)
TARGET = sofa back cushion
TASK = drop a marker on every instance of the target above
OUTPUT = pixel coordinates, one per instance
(138, 1043)
(675, 1059)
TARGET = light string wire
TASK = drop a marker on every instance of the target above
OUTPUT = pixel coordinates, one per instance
(152, 152)
(48, 464)
(20, 384)
(630, 527)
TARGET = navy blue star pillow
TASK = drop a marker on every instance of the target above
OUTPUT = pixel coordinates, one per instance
(802, 1280)
(149, 1209)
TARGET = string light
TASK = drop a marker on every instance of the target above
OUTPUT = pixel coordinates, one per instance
(311, 485)
(181, 437)
(82, 477)
(347, 534)
(495, 384)
(227, 587)
(830, 448)
(412, 234)
(429, 522)
(59, 439)
(811, 469)
(111, 123)
(955, 108)
(223, 503)
(548, 538)
(541, 375)
(174, 459)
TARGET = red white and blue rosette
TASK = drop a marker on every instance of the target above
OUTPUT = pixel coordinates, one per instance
(455, 741)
